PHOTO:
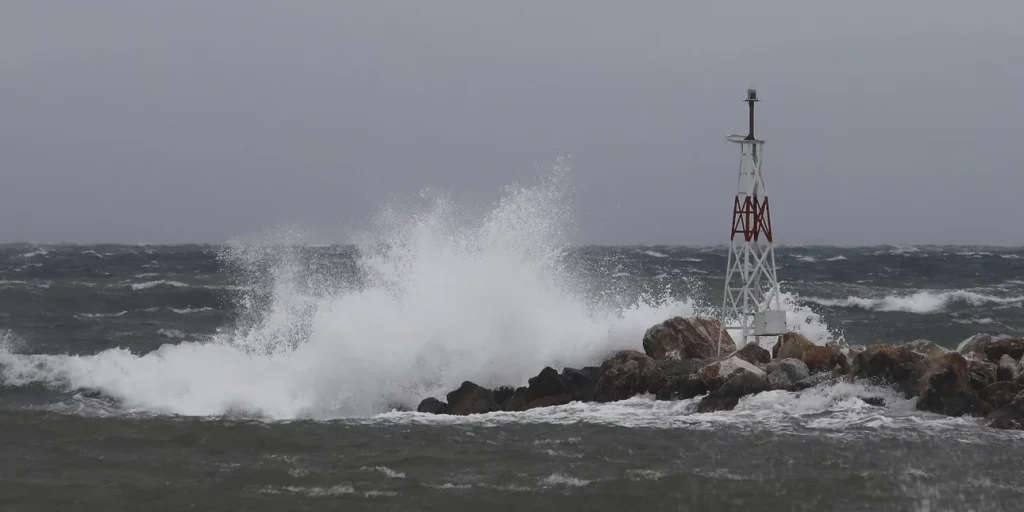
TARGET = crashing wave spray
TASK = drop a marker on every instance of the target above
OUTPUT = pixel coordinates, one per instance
(439, 296)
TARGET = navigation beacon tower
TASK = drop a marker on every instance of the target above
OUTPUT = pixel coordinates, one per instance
(751, 302)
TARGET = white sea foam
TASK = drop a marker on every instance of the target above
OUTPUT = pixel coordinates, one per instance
(922, 302)
(171, 333)
(101, 315)
(559, 479)
(838, 407)
(973, 321)
(187, 311)
(837, 258)
(37, 252)
(1010, 256)
(645, 474)
(655, 254)
(446, 297)
(802, 319)
(9, 342)
(386, 471)
(151, 284)
(334, 490)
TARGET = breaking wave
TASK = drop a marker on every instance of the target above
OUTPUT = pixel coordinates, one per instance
(923, 302)
(151, 284)
(440, 295)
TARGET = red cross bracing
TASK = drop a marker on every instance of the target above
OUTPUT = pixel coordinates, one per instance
(751, 218)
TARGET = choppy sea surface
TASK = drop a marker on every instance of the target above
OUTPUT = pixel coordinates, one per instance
(275, 376)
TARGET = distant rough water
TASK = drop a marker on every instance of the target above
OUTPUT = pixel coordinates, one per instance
(165, 376)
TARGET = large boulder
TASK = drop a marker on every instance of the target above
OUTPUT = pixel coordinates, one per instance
(432, 406)
(580, 383)
(779, 381)
(682, 367)
(945, 388)
(681, 338)
(1010, 416)
(980, 373)
(753, 354)
(791, 345)
(546, 383)
(815, 380)
(738, 385)
(928, 348)
(715, 374)
(515, 403)
(819, 358)
(897, 366)
(1006, 370)
(470, 399)
(795, 369)
(1013, 347)
(978, 343)
(627, 373)
(503, 394)
(682, 388)
(999, 394)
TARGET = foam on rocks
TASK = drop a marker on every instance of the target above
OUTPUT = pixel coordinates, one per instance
(983, 377)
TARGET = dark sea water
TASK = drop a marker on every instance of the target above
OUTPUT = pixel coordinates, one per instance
(273, 377)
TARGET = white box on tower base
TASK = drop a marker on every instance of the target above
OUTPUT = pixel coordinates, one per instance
(771, 322)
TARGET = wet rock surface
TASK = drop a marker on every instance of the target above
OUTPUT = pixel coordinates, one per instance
(687, 338)
(981, 378)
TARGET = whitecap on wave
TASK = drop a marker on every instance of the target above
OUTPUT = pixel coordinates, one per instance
(922, 302)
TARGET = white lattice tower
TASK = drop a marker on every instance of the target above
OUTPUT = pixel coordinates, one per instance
(751, 283)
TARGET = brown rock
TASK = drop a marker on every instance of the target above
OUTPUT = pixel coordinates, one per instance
(681, 338)
(999, 394)
(715, 374)
(792, 345)
(627, 373)
(682, 367)
(1010, 416)
(978, 343)
(980, 373)
(795, 369)
(779, 381)
(818, 358)
(945, 388)
(726, 397)
(888, 364)
(928, 348)
(1014, 347)
(682, 388)
(753, 354)
(1006, 370)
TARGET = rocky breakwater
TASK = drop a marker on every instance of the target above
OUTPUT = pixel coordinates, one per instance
(984, 376)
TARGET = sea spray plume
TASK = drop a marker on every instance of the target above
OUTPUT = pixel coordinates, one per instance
(456, 298)
(434, 297)
(283, 282)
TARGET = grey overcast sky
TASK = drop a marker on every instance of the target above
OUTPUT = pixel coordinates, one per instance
(198, 121)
